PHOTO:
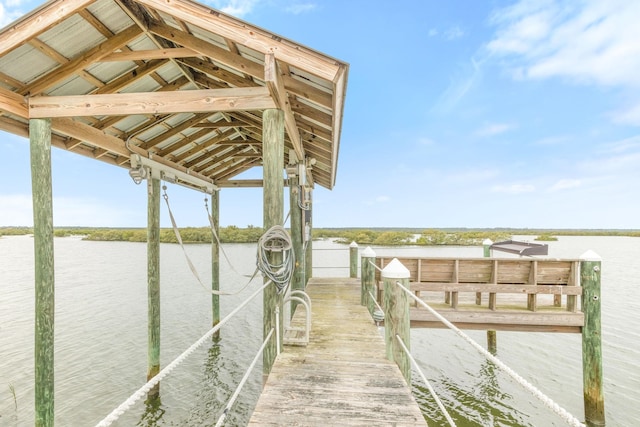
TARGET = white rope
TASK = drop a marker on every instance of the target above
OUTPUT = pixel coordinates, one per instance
(144, 390)
(192, 267)
(376, 303)
(561, 412)
(375, 266)
(276, 239)
(424, 379)
(236, 393)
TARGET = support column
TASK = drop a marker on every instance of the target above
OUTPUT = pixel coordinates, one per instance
(307, 223)
(396, 315)
(153, 281)
(297, 280)
(492, 338)
(590, 276)
(368, 279)
(215, 261)
(40, 143)
(273, 167)
(353, 260)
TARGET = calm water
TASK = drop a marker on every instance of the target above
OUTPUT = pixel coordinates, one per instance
(101, 339)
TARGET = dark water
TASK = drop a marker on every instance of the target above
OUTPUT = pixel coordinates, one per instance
(100, 355)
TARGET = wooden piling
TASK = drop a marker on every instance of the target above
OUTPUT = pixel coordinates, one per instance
(215, 262)
(153, 282)
(273, 199)
(297, 280)
(368, 279)
(307, 223)
(396, 315)
(40, 143)
(353, 260)
(590, 275)
(492, 339)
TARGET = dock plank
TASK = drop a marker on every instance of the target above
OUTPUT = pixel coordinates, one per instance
(342, 376)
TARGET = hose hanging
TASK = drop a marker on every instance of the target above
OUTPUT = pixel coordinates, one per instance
(276, 240)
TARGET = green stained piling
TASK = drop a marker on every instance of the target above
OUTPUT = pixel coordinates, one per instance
(40, 142)
(153, 282)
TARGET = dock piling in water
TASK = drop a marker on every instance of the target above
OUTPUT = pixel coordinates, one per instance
(590, 275)
(40, 146)
(396, 315)
(153, 281)
(215, 261)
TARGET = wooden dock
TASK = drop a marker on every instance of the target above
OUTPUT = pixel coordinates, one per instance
(342, 377)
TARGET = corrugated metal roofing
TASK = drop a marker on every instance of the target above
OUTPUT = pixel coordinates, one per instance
(87, 48)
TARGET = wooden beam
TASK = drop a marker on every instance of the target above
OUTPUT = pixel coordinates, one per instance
(93, 136)
(248, 35)
(209, 50)
(82, 61)
(131, 76)
(146, 55)
(274, 82)
(222, 124)
(13, 103)
(240, 183)
(38, 22)
(339, 90)
(209, 100)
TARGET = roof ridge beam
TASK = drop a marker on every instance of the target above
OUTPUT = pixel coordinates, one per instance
(248, 35)
(184, 101)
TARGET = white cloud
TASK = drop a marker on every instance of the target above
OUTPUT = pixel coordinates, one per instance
(454, 33)
(426, 141)
(493, 129)
(67, 211)
(629, 116)
(459, 87)
(299, 8)
(235, 7)
(590, 41)
(553, 140)
(432, 32)
(513, 188)
(565, 184)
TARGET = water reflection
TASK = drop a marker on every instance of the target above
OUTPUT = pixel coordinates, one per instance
(153, 412)
(480, 403)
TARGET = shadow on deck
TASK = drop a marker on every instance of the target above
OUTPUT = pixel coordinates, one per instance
(342, 376)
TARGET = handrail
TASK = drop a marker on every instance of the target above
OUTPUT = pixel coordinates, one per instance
(424, 379)
(142, 391)
(244, 379)
(564, 414)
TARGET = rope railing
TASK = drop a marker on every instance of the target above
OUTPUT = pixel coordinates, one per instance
(145, 389)
(547, 401)
(244, 379)
(424, 379)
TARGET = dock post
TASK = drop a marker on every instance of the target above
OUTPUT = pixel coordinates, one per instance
(273, 205)
(368, 279)
(307, 223)
(153, 282)
(396, 315)
(492, 339)
(353, 260)
(297, 280)
(590, 275)
(40, 148)
(215, 262)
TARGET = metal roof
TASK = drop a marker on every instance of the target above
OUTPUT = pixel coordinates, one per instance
(170, 80)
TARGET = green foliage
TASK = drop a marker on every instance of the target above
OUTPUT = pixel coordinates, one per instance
(15, 231)
(462, 238)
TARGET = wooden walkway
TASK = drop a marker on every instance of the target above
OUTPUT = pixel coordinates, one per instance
(342, 377)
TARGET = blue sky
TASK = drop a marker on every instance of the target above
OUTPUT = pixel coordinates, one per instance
(458, 114)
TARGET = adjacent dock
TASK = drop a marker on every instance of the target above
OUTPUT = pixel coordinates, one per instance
(342, 376)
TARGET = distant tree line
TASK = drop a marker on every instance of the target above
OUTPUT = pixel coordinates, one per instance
(362, 236)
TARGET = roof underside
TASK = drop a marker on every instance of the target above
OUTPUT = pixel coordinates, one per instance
(170, 80)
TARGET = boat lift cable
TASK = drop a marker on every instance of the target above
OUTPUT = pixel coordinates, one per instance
(561, 412)
(244, 379)
(424, 379)
(192, 267)
(145, 389)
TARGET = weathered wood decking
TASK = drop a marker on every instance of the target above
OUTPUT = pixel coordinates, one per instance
(342, 377)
